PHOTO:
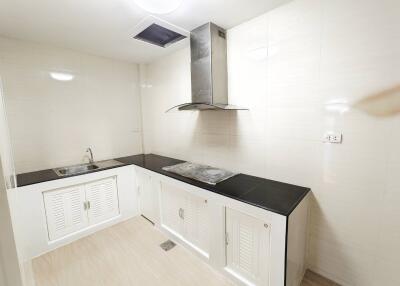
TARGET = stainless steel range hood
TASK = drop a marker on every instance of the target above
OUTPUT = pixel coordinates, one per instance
(208, 70)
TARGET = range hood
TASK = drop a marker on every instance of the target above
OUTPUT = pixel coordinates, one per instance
(208, 70)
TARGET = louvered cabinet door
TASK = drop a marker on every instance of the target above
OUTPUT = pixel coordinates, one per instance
(102, 198)
(197, 223)
(65, 211)
(172, 213)
(247, 250)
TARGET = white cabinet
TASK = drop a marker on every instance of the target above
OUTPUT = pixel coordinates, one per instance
(249, 244)
(196, 228)
(71, 209)
(186, 216)
(148, 192)
(247, 248)
(65, 211)
(102, 198)
(172, 212)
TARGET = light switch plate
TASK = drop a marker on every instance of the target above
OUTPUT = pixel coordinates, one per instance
(333, 137)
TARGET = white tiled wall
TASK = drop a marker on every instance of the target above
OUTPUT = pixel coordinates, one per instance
(5, 144)
(298, 68)
(53, 122)
(9, 264)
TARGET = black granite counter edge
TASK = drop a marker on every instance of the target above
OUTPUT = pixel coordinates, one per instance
(274, 196)
(241, 197)
(305, 193)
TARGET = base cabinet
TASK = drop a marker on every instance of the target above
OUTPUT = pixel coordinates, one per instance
(102, 198)
(71, 209)
(65, 211)
(172, 212)
(148, 193)
(247, 248)
(197, 220)
(186, 216)
(250, 245)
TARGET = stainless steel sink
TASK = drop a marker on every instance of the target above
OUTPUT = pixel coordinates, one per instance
(73, 170)
(85, 168)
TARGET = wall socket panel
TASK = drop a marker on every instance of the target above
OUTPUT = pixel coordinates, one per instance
(333, 137)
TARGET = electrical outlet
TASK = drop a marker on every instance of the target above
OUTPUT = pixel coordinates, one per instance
(333, 137)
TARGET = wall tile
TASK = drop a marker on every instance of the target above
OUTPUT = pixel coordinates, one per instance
(299, 69)
(100, 107)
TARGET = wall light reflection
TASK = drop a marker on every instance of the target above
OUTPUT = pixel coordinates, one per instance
(338, 105)
(62, 76)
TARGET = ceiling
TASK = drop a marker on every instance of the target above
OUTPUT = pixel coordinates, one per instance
(106, 27)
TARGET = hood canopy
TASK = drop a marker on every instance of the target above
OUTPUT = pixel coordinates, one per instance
(209, 73)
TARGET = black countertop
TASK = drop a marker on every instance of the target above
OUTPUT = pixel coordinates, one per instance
(271, 195)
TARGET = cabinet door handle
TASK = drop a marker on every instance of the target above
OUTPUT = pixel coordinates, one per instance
(88, 204)
(85, 206)
(181, 213)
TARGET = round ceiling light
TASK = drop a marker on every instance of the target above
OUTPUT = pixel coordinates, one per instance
(159, 6)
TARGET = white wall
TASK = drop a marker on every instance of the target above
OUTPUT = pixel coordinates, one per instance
(5, 144)
(322, 56)
(52, 122)
(2, 279)
(10, 272)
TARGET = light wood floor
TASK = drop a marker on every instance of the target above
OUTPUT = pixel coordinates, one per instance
(128, 254)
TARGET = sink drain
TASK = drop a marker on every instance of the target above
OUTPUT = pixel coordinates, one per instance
(168, 245)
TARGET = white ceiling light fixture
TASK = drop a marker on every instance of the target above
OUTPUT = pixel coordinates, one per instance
(159, 6)
(62, 76)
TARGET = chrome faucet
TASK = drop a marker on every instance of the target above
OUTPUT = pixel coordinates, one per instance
(91, 160)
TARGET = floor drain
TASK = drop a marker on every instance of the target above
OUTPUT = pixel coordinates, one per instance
(168, 245)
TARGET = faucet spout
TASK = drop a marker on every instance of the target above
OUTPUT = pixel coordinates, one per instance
(91, 159)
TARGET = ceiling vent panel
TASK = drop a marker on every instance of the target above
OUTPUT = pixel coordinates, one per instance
(158, 35)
